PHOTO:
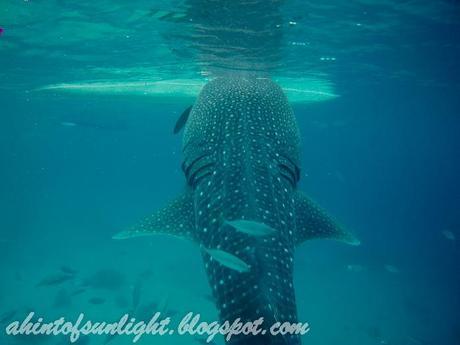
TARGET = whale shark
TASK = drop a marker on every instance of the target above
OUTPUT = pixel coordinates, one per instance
(241, 204)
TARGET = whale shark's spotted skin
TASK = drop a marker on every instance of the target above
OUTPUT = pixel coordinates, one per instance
(241, 162)
(241, 145)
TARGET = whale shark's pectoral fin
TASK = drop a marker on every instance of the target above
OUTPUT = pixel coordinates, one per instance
(177, 219)
(313, 223)
(182, 120)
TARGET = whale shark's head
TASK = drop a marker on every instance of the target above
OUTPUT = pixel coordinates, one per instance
(237, 106)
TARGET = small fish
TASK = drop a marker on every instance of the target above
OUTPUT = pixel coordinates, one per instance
(55, 279)
(228, 260)
(374, 332)
(78, 292)
(209, 298)
(170, 313)
(122, 302)
(204, 341)
(414, 341)
(68, 270)
(147, 274)
(391, 268)
(136, 295)
(105, 279)
(145, 312)
(7, 316)
(163, 303)
(62, 299)
(449, 235)
(82, 340)
(96, 300)
(1, 31)
(109, 338)
(251, 227)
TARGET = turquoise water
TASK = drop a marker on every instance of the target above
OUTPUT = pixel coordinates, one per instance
(90, 93)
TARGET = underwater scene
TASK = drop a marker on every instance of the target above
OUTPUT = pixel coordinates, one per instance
(204, 167)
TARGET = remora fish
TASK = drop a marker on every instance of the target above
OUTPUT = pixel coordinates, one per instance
(55, 279)
(251, 227)
(241, 161)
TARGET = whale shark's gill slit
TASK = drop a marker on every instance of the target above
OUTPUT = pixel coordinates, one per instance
(197, 168)
(288, 178)
(186, 168)
(197, 180)
(201, 168)
(200, 173)
(295, 167)
(288, 174)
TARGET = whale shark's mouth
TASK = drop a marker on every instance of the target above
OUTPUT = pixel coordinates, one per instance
(298, 90)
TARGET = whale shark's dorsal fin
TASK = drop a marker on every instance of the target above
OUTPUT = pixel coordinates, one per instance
(182, 120)
(313, 223)
(177, 219)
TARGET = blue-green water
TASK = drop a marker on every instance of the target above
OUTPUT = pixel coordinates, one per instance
(87, 150)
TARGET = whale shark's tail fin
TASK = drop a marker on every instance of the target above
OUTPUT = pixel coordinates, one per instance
(176, 218)
(313, 223)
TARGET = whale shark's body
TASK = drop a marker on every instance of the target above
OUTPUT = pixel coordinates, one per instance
(241, 204)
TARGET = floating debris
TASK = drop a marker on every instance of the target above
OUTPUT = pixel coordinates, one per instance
(414, 341)
(96, 300)
(354, 268)
(68, 124)
(300, 43)
(391, 269)
(449, 235)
